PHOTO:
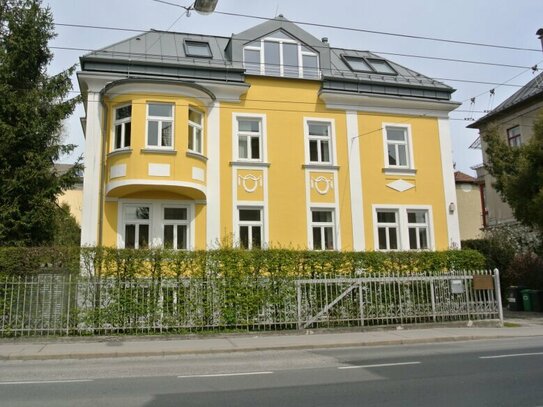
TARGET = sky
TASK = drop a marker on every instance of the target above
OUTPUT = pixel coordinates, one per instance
(497, 22)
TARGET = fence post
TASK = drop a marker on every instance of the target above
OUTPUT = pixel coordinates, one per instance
(299, 300)
(68, 302)
(498, 294)
(361, 303)
(433, 297)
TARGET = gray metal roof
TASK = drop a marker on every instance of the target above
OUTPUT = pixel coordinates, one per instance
(532, 90)
(162, 54)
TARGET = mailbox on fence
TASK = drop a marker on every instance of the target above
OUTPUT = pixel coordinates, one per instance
(483, 282)
(457, 286)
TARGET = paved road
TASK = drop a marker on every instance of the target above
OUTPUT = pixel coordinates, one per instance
(480, 373)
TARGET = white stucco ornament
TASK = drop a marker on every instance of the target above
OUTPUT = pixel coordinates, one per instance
(322, 184)
(250, 182)
(400, 185)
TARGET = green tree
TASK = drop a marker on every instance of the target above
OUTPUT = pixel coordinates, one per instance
(32, 109)
(519, 174)
(66, 229)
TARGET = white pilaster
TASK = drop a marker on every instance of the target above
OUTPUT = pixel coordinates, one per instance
(448, 183)
(355, 182)
(213, 227)
(91, 178)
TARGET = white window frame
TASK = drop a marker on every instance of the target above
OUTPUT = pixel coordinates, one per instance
(175, 223)
(122, 123)
(331, 141)
(408, 144)
(387, 226)
(239, 223)
(322, 226)
(137, 222)
(403, 225)
(282, 41)
(156, 219)
(160, 120)
(200, 127)
(418, 227)
(262, 136)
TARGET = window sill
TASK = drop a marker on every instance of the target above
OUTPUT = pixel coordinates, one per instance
(400, 171)
(120, 151)
(315, 166)
(255, 164)
(198, 156)
(158, 151)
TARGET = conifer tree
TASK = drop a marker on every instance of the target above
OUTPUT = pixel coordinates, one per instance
(33, 106)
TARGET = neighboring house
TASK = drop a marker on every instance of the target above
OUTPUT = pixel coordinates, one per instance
(470, 210)
(268, 137)
(73, 197)
(514, 120)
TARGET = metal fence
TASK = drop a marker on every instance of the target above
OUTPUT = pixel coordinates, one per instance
(60, 305)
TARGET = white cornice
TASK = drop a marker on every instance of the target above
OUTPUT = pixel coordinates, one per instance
(226, 92)
(145, 182)
(96, 81)
(386, 104)
(153, 88)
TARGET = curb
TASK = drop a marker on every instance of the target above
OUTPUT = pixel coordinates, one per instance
(104, 355)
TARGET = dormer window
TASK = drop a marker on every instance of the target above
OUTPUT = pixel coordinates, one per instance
(198, 49)
(369, 65)
(280, 55)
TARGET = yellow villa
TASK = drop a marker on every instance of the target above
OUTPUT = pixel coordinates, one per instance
(269, 137)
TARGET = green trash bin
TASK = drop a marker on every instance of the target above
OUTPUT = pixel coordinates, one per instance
(527, 299)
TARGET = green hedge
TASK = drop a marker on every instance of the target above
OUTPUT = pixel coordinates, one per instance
(127, 264)
(158, 263)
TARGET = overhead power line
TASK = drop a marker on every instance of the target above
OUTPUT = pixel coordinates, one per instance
(387, 33)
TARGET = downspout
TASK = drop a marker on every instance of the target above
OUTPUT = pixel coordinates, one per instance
(102, 170)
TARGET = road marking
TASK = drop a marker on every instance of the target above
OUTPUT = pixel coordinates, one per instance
(380, 365)
(225, 374)
(47, 382)
(512, 355)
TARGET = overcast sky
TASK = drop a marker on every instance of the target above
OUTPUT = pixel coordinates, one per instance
(500, 22)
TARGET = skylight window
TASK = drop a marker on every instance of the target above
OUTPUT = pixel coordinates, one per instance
(370, 65)
(197, 49)
(381, 66)
(358, 64)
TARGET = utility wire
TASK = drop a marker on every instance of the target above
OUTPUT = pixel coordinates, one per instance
(388, 33)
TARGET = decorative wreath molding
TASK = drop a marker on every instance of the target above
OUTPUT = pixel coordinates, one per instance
(322, 184)
(250, 182)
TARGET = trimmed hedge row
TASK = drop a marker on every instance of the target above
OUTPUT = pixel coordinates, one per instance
(127, 264)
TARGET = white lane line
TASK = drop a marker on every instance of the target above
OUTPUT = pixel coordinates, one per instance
(224, 375)
(47, 381)
(380, 365)
(512, 355)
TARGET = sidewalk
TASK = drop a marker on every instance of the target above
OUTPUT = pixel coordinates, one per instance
(121, 346)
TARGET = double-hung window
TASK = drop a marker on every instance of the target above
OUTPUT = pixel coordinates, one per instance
(319, 139)
(160, 125)
(195, 143)
(175, 221)
(137, 221)
(250, 228)
(249, 138)
(323, 229)
(514, 136)
(388, 229)
(397, 147)
(123, 127)
(417, 223)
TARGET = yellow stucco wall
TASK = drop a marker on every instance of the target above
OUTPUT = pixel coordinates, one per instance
(291, 186)
(74, 199)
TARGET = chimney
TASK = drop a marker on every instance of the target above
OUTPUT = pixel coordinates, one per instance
(325, 40)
